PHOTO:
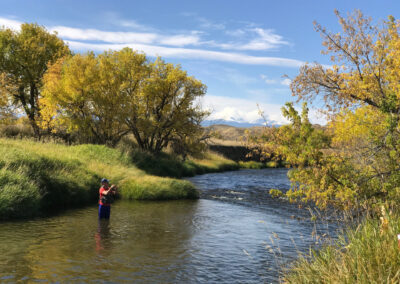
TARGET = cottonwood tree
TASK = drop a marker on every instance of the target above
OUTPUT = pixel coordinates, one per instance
(361, 92)
(107, 96)
(91, 94)
(24, 57)
(355, 162)
(166, 107)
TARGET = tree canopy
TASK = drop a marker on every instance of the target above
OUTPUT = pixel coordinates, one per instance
(24, 57)
(106, 96)
(355, 161)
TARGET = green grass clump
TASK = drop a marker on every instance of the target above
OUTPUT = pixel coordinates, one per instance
(211, 162)
(366, 254)
(252, 165)
(37, 179)
(32, 184)
(154, 188)
(169, 166)
(259, 165)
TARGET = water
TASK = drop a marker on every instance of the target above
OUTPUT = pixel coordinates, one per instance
(234, 234)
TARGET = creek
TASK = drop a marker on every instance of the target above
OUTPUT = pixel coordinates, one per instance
(235, 233)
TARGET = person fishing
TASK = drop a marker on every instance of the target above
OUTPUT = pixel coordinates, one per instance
(107, 194)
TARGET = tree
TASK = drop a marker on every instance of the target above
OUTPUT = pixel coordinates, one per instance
(361, 94)
(92, 94)
(24, 57)
(107, 96)
(355, 162)
(365, 64)
(165, 108)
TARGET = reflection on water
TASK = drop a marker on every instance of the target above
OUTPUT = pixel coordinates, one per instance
(225, 237)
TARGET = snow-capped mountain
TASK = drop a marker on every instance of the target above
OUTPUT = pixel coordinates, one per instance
(238, 122)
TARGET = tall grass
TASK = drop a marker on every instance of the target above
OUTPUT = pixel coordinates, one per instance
(41, 178)
(368, 253)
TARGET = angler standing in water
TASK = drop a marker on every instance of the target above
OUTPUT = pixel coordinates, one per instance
(107, 194)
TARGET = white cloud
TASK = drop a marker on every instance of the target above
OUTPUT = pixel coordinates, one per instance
(131, 24)
(12, 24)
(97, 35)
(241, 110)
(254, 39)
(286, 82)
(267, 80)
(267, 39)
(115, 19)
(187, 53)
(246, 110)
(204, 22)
(151, 43)
(125, 37)
(180, 40)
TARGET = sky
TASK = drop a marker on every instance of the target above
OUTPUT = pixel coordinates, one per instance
(246, 52)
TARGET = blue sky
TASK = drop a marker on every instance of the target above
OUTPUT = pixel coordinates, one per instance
(239, 49)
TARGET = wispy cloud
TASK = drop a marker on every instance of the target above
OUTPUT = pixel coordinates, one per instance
(205, 23)
(170, 46)
(286, 82)
(267, 80)
(262, 39)
(103, 36)
(188, 53)
(115, 19)
(9, 23)
(255, 39)
(125, 37)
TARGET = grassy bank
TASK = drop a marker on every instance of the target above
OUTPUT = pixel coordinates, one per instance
(259, 165)
(166, 166)
(366, 254)
(42, 178)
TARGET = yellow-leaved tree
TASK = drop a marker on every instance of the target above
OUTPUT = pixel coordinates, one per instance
(91, 95)
(102, 98)
(355, 162)
(166, 109)
(24, 58)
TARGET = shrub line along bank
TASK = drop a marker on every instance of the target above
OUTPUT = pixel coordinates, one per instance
(38, 179)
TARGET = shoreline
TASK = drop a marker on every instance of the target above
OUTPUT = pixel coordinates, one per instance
(42, 179)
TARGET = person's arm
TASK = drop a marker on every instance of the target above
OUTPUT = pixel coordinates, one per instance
(114, 188)
(105, 192)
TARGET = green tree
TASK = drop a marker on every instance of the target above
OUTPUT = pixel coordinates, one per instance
(165, 109)
(355, 163)
(92, 95)
(24, 57)
(107, 96)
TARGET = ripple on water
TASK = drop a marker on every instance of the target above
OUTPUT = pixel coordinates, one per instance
(226, 240)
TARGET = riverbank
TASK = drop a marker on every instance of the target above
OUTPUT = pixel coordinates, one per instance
(368, 253)
(38, 179)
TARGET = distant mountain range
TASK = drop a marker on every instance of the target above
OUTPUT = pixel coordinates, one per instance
(238, 123)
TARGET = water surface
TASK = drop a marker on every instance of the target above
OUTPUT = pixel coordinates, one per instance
(234, 234)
